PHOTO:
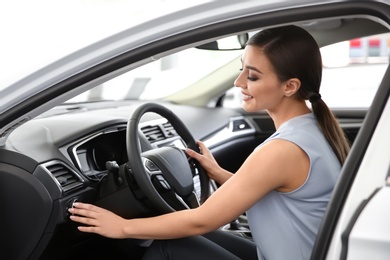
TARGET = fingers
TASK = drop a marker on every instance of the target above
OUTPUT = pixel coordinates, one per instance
(86, 206)
(192, 153)
(201, 145)
(86, 210)
(203, 149)
(88, 229)
(84, 220)
(84, 213)
(97, 220)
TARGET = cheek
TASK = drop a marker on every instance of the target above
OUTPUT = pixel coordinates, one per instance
(266, 92)
(261, 89)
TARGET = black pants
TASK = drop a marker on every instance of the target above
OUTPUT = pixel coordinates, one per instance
(215, 245)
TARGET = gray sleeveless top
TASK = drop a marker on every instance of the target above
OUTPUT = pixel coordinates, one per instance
(284, 225)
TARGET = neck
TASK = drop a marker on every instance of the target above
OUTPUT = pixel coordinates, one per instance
(287, 111)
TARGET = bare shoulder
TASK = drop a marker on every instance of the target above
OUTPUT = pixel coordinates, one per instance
(283, 161)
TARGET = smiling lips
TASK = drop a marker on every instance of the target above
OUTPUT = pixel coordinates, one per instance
(246, 97)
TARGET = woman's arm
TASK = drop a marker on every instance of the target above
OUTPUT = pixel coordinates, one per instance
(261, 173)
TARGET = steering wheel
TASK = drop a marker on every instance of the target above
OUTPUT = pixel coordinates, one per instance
(165, 175)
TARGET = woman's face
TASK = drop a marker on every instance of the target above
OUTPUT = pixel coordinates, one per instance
(260, 87)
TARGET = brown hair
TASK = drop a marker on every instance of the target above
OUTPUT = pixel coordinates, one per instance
(294, 53)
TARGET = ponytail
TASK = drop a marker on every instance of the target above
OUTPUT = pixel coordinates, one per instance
(331, 129)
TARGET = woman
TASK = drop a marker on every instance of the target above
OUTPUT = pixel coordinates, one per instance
(283, 186)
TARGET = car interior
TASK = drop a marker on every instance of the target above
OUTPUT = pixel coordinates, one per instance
(113, 153)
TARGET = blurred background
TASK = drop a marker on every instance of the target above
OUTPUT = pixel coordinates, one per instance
(44, 30)
(36, 33)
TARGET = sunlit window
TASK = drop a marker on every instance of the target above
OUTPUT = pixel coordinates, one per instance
(352, 72)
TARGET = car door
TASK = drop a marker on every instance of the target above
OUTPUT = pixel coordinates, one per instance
(356, 224)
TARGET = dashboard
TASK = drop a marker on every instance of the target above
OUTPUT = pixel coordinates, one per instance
(90, 155)
(58, 158)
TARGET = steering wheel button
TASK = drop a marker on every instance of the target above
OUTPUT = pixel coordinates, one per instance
(151, 166)
(160, 183)
(160, 177)
(165, 185)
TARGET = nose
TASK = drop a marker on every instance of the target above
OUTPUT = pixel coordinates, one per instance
(240, 82)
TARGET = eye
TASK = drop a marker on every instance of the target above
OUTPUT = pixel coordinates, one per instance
(249, 77)
(252, 78)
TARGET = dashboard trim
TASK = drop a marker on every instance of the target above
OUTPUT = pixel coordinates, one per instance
(73, 172)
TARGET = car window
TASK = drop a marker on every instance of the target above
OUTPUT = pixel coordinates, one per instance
(351, 75)
(162, 77)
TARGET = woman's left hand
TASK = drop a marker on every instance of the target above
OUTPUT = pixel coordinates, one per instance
(97, 220)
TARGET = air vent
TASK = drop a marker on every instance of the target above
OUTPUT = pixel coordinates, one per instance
(169, 130)
(153, 133)
(240, 124)
(66, 178)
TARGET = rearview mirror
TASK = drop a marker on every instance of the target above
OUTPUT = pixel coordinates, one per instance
(236, 42)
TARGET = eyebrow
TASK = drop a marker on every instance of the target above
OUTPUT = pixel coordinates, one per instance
(253, 68)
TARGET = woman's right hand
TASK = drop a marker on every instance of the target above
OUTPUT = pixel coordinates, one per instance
(208, 162)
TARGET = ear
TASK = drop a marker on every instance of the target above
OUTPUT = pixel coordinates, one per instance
(291, 87)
